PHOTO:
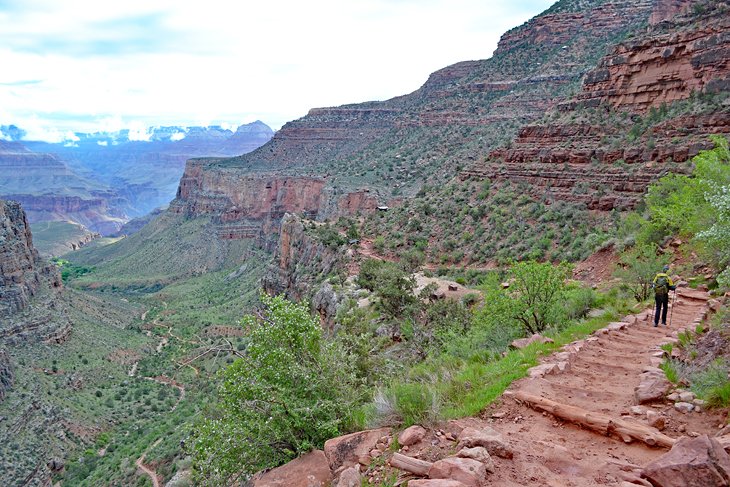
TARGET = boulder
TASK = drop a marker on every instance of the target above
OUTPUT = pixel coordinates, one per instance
(480, 454)
(684, 407)
(310, 470)
(524, 342)
(687, 396)
(697, 461)
(435, 483)
(487, 438)
(656, 420)
(348, 449)
(653, 386)
(469, 472)
(350, 477)
(412, 435)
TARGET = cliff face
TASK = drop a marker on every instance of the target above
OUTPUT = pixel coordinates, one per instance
(50, 191)
(7, 376)
(19, 262)
(301, 261)
(24, 275)
(349, 159)
(244, 205)
(663, 68)
(629, 111)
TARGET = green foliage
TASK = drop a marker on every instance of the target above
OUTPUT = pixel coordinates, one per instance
(670, 370)
(329, 235)
(637, 268)
(391, 284)
(291, 391)
(696, 206)
(712, 384)
(70, 271)
(537, 293)
(407, 404)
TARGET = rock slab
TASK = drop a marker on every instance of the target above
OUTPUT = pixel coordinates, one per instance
(310, 470)
(697, 462)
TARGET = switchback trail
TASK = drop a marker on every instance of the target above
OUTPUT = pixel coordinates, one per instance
(600, 378)
(148, 471)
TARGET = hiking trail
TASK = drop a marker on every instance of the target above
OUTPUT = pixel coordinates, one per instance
(602, 377)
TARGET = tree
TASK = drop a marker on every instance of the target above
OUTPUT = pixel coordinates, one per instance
(637, 268)
(536, 291)
(292, 391)
(391, 283)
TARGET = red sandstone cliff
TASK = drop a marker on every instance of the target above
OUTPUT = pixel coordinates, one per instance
(572, 158)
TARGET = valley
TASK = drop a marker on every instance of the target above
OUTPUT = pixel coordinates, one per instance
(374, 266)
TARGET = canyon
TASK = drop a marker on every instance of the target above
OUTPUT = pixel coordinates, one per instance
(102, 180)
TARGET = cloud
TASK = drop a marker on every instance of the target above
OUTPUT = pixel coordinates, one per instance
(139, 133)
(177, 136)
(78, 66)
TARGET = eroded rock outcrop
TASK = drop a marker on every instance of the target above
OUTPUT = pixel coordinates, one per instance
(23, 276)
(20, 265)
(301, 261)
(585, 156)
(7, 375)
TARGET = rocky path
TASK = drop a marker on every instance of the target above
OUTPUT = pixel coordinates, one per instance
(601, 376)
(592, 414)
(148, 471)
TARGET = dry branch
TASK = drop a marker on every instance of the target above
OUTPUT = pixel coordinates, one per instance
(602, 423)
(409, 464)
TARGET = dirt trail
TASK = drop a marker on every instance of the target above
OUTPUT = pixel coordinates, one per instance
(148, 471)
(602, 378)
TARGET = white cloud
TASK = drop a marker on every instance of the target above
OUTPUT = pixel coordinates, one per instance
(177, 136)
(219, 62)
(139, 132)
(102, 143)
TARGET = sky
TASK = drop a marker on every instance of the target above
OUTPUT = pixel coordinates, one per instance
(105, 65)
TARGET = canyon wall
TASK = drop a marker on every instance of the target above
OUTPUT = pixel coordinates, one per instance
(618, 135)
(20, 273)
(24, 276)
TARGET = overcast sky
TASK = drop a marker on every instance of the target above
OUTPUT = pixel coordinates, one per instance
(88, 65)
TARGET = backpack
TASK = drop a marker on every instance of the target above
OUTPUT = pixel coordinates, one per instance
(661, 285)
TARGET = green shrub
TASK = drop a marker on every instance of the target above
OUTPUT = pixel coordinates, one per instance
(290, 392)
(637, 268)
(712, 384)
(408, 403)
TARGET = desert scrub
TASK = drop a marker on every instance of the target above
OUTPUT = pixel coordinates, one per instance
(288, 393)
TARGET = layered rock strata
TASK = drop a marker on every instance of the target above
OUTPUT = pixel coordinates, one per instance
(586, 156)
(7, 375)
(20, 264)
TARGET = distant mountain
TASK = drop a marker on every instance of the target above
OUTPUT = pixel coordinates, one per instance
(50, 191)
(103, 179)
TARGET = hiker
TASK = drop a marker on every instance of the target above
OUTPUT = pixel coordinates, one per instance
(662, 284)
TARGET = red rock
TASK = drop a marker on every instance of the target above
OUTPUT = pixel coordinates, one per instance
(310, 470)
(524, 342)
(480, 454)
(412, 435)
(435, 483)
(486, 437)
(653, 386)
(697, 462)
(350, 477)
(469, 472)
(348, 449)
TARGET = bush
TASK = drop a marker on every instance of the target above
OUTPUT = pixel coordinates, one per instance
(637, 268)
(407, 404)
(290, 392)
